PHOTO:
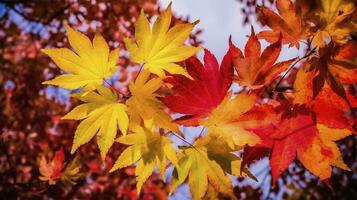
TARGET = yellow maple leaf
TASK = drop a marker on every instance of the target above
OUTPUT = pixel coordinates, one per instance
(87, 66)
(149, 149)
(323, 152)
(102, 115)
(336, 21)
(229, 122)
(160, 48)
(144, 105)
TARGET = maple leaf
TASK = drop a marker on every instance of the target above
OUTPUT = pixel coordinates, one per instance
(343, 65)
(197, 97)
(336, 20)
(289, 23)
(232, 119)
(101, 114)
(158, 49)
(285, 138)
(296, 134)
(88, 66)
(323, 152)
(52, 171)
(149, 149)
(329, 67)
(256, 70)
(208, 162)
(219, 151)
(336, 116)
(144, 105)
(72, 172)
(200, 170)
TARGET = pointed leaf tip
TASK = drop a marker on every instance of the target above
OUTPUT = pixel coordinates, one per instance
(230, 40)
(252, 32)
(196, 22)
(169, 6)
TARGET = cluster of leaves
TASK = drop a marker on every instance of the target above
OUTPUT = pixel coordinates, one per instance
(284, 127)
(30, 112)
(52, 171)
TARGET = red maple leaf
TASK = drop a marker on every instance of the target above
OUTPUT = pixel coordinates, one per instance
(297, 135)
(196, 98)
(285, 138)
(331, 109)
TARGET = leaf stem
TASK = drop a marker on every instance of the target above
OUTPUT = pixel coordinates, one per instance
(182, 139)
(140, 69)
(113, 88)
(307, 54)
(203, 128)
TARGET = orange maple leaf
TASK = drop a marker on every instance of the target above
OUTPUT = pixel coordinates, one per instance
(289, 23)
(256, 69)
(323, 152)
(52, 171)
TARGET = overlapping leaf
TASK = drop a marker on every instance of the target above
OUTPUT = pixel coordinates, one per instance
(336, 21)
(337, 115)
(206, 163)
(195, 165)
(87, 66)
(298, 135)
(323, 152)
(284, 139)
(329, 68)
(343, 65)
(196, 98)
(101, 115)
(144, 105)
(289, 23)
(233, 118)
(256, 70)
(159, 49)
(149, 149)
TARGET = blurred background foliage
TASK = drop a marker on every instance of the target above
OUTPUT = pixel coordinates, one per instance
(30, 112)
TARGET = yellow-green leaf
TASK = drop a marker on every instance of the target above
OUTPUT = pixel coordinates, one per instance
(195, 164)
(150, 149)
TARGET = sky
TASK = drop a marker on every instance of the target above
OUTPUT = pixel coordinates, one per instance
(219, 19)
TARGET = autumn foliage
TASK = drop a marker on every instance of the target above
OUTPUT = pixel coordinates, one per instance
(249, 106)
